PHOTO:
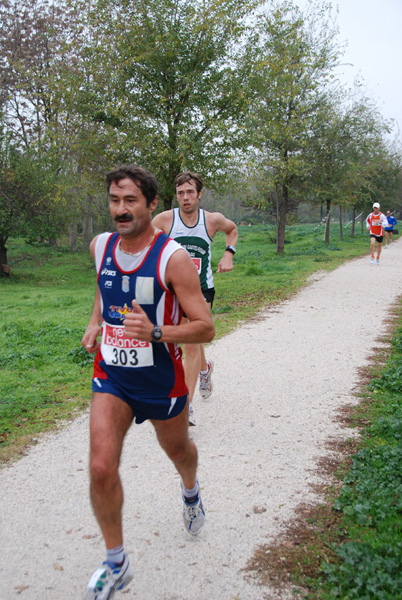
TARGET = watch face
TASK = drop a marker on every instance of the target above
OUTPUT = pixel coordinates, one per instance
(156, 333)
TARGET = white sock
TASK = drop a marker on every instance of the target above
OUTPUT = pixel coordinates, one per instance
(192, 494)
(115, 555)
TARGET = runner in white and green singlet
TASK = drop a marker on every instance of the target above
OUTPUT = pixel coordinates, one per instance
(195, 228)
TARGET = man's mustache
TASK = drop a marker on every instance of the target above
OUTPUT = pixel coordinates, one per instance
(123, 218)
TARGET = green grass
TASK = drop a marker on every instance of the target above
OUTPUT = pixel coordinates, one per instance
(44, 372)
(261, 276)
(46, 303)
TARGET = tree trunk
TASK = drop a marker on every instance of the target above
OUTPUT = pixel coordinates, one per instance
(87, 233)
(353, 222)
(280, 237)
(3, 258)
(73, 236)
(340, 223)
(167, 202)
(327, 224)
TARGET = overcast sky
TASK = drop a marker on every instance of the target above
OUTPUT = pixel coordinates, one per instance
(373, 32)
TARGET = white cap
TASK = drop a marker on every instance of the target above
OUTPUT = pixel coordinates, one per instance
(376, 205)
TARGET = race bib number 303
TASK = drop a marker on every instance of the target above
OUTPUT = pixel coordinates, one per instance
(120, 351)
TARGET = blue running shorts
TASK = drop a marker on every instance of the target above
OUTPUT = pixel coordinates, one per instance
(160, 409)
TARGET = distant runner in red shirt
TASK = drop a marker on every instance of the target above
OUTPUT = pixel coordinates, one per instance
(375, 222)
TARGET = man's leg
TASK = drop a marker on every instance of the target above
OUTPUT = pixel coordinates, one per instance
(372, 248)
(173, 437)
(192, 366)
(206, 368)
(109, 423)
(379, 245)
(203, 360)
(194, 362)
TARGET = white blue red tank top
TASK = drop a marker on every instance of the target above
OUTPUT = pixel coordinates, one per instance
(143, 369)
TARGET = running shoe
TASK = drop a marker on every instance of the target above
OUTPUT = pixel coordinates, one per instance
(191, 417)
(378, 262)
(206, 381)
(372, 260)
(108, 579)
(193, 516)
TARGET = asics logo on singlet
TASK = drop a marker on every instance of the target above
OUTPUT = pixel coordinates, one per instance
(108, 272)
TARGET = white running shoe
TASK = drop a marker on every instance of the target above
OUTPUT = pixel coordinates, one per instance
(107, 580)
(378, 262)
(193, 516)
(372, 260)
(206, 387)
(191, 417)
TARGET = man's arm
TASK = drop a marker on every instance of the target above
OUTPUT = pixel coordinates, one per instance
(163, 221)
(89, 340)
(221, 223)
(384, 220)
(183, 278)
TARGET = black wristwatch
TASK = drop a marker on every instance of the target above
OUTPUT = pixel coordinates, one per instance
(231, 249)
(156, 334)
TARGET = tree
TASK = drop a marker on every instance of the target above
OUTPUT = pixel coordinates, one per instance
(291, 57)
(26, 196)
(40, 75)
(348, 153)
(167, 81)
(330, 162)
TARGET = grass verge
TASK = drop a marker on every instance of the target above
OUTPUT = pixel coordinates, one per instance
(349, 546)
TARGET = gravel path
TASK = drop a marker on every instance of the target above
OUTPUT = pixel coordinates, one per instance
(279, 381)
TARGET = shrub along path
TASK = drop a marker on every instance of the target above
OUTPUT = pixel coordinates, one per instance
(280, 381)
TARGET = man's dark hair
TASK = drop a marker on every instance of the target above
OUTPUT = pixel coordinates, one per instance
(187, 176)
(141, 177)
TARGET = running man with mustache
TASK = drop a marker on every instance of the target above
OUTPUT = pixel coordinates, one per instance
(144, 278)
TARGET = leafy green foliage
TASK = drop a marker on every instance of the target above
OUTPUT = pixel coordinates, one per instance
(391, 378)
(238, 90)
(177, 96)
(373, 486)
(290, 60)
(367, 572)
